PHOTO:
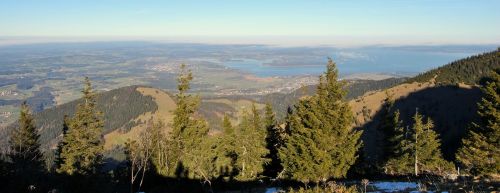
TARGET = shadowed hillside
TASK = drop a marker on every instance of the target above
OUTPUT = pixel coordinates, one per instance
(451, 108)
(119, 106)
(126, 111)
(448, 95)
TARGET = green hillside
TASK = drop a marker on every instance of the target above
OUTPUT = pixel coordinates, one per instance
(119, 106)
(469, 70)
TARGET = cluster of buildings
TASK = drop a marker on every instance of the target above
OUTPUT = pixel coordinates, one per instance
(8, 93)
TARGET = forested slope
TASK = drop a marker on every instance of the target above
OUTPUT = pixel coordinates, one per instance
(448, 95)
(119, 107)
(469, 70)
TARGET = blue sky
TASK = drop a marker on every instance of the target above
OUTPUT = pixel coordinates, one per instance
(375, 21)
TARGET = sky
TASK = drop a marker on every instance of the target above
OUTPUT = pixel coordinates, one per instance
(254, 21)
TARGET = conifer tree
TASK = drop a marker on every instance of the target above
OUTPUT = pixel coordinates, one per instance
(188, 131)
(203, 160)
(227, 127)
(480, 154)
(58, 160)
(269, 116)
(392, 130)
(83, 144)
(25, 153)
(419, 151)
(227, 150)
(274, 140)
(387, 124)
(251, 148)
(321, 143)
(395, 136)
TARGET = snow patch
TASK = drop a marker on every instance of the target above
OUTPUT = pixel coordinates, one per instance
(394, 186)
(271, 190)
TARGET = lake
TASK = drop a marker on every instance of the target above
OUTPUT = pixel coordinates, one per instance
(390, 60)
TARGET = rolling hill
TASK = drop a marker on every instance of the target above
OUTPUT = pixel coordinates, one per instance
(471, 70)
(448, 95)
(120, 108)
(126, 111)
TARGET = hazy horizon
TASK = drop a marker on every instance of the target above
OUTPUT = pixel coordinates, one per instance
(280, 41)
(281, 23)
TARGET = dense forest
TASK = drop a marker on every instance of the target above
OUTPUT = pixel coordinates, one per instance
(471, 70)
(314, 148)
(119, 107)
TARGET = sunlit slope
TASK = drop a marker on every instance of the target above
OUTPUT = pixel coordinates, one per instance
(164, 113)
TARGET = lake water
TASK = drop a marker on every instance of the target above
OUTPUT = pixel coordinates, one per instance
(362, 60)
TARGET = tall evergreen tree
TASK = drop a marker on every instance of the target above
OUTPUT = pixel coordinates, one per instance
(392, 130)
(321, 143)
(395, 136)
(188, 130)
(480, 154)
(58, 159)
(25, 153)
(251, 147)
(83, 144)
(387, 124)
(419, 151)
(269, 116)
(203, 162)
(274, 140)
(227, 150)
(227, 127)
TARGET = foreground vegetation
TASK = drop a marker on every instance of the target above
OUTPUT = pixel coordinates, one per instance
(314, 145)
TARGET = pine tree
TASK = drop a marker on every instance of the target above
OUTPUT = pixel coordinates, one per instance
(269, 116)
(274, 140)
(393, 132)
(227, 150)
(419, 151)
(188, 131)
(388, 124)
(83, 144)
(395, 136)
(58, 159)
(321, 143)
(25, 153)
(480, 154)
(203, 160)
(251, 147)
(227, 127)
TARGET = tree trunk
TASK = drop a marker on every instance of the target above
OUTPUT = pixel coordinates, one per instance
(416, 157)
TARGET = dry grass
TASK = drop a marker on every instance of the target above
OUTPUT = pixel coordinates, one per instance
(374, 100)
(239, 105)
(166, 106)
